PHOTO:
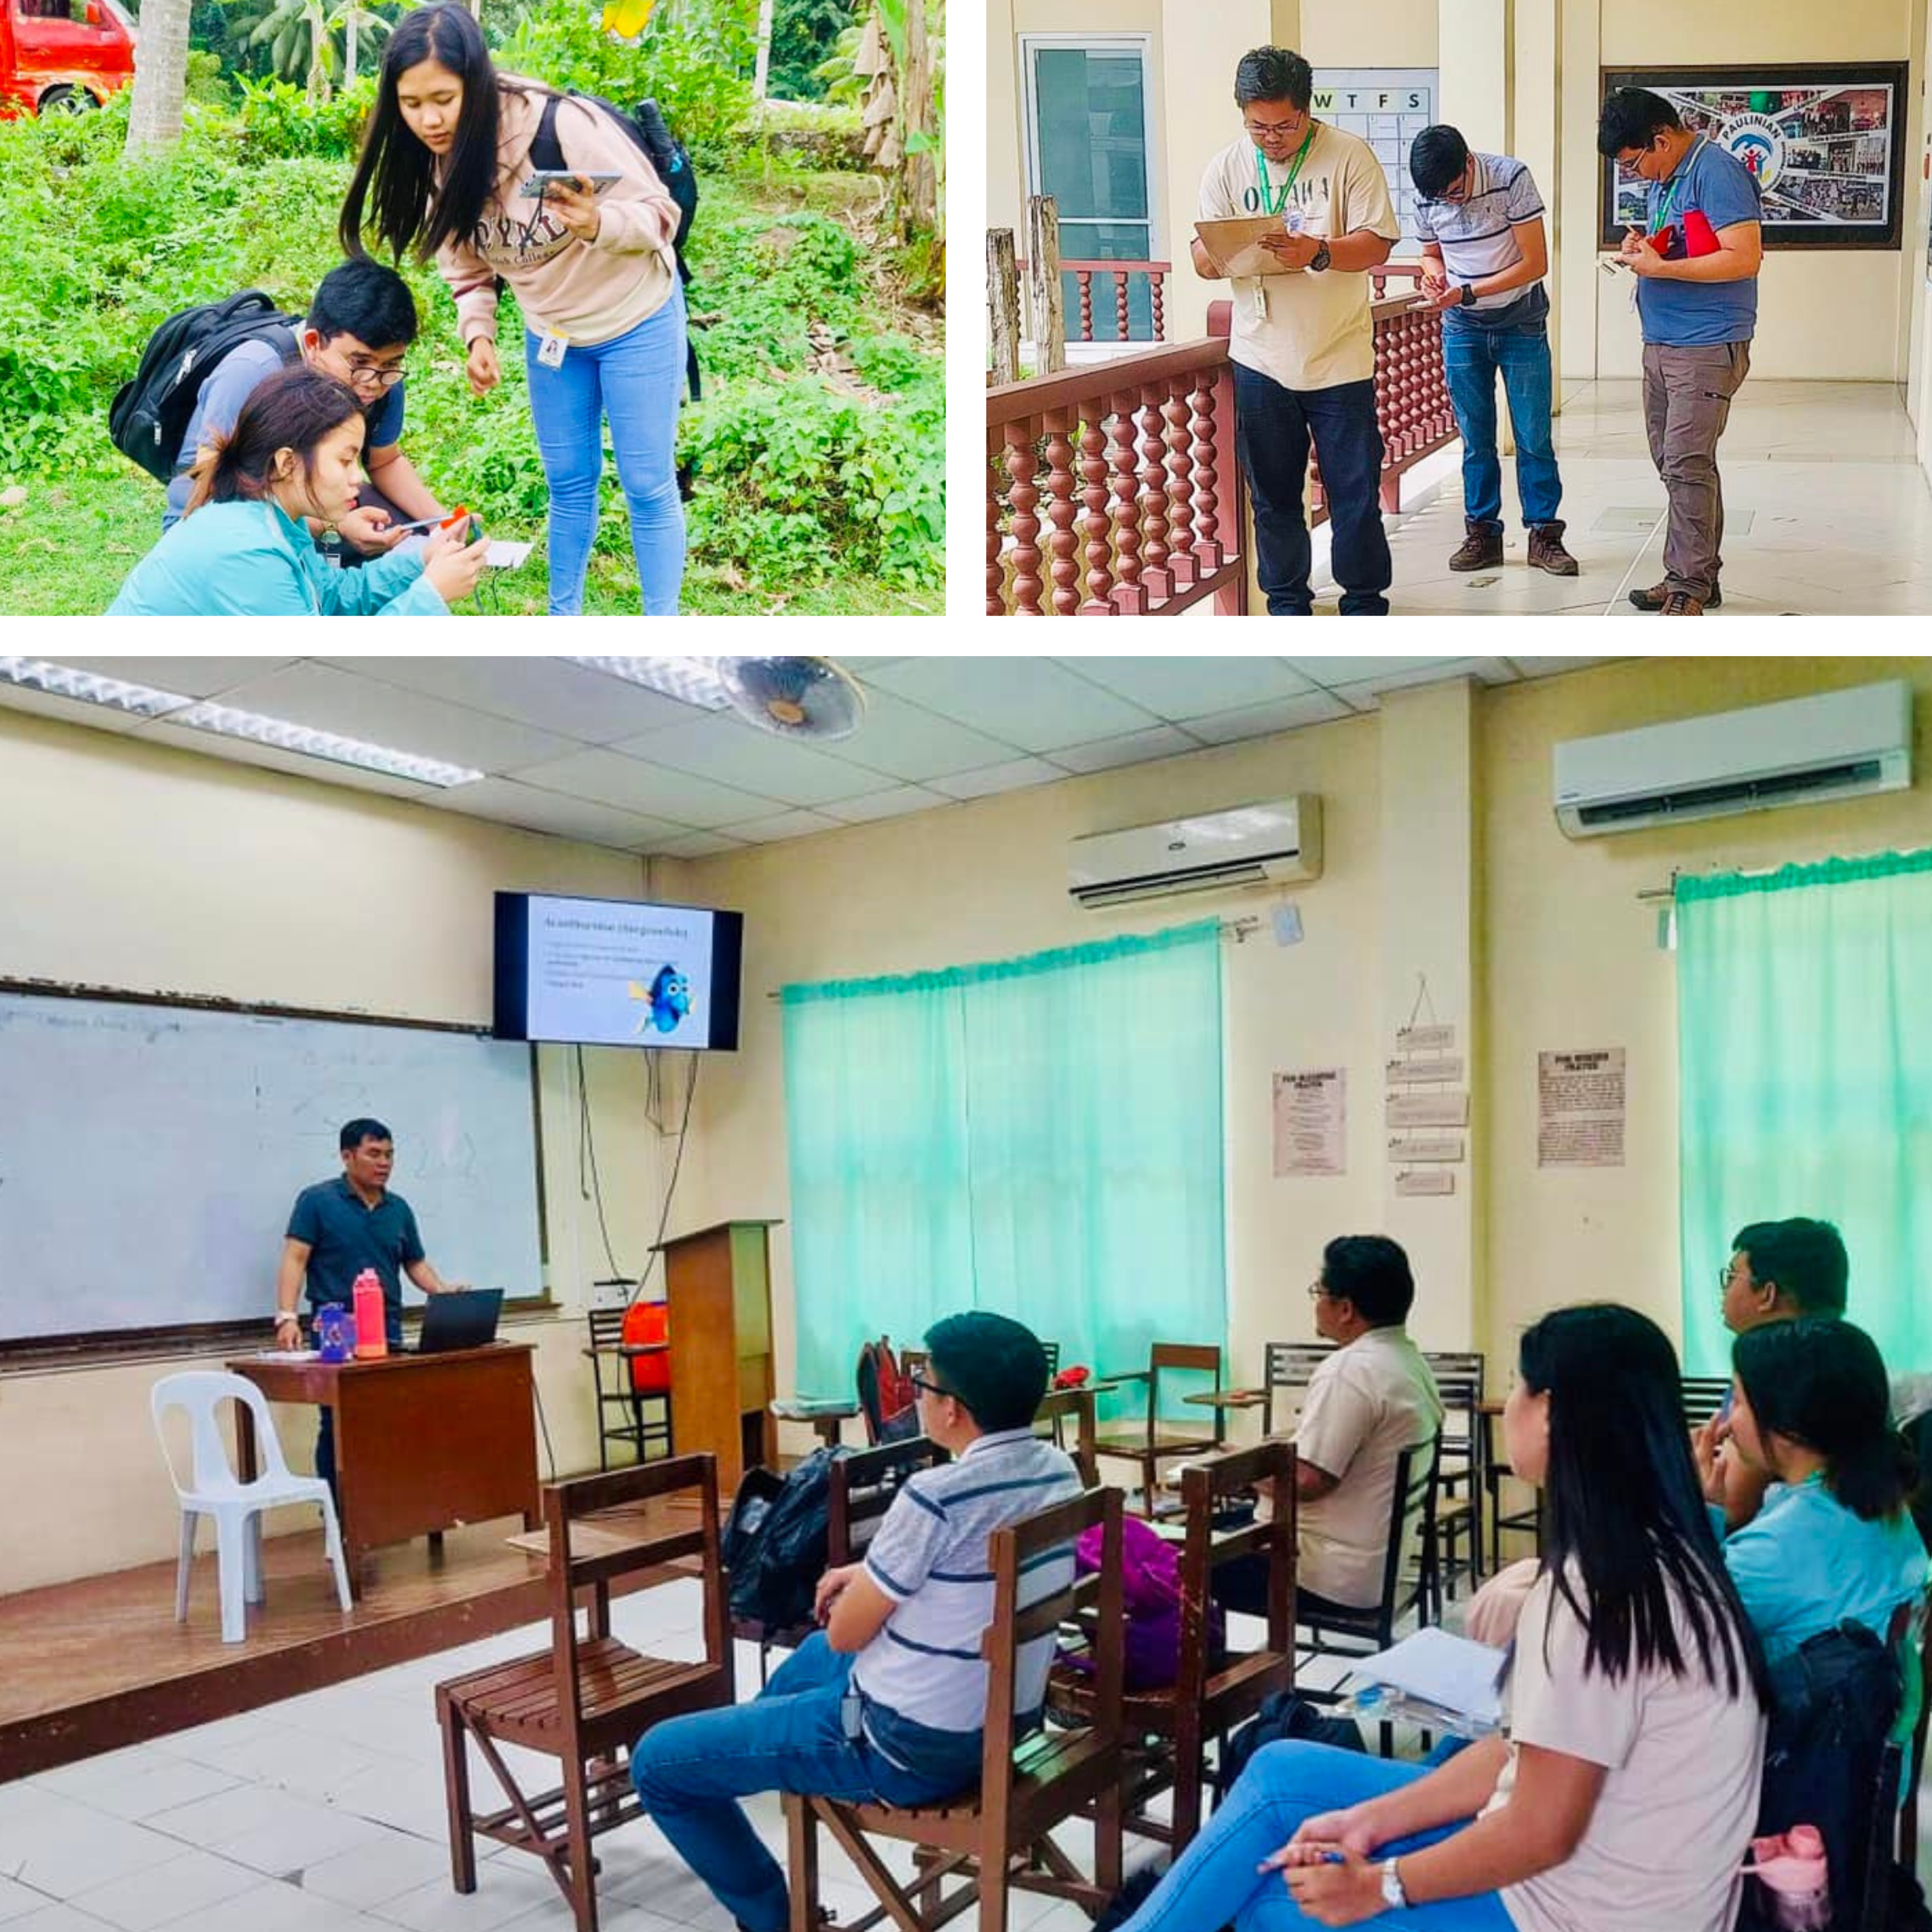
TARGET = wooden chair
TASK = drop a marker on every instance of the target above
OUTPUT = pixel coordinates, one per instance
(1213, 1690)
(1702, 1396)
(1027, 1786)
(585, 1699)
(1059, 1407)
(1147, 1444)
(1287, 1366)
(610, 1354)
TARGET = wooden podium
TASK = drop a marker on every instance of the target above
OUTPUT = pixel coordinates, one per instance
(718, 1282)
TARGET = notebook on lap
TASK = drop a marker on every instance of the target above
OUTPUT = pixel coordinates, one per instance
(466, 1320)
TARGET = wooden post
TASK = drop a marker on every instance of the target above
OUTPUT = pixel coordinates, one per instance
(1045, 307)
(761, 78)
(1003, 306)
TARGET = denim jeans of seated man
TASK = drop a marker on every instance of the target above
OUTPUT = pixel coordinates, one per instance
(1274, 428)
(1473, 355)
(802, 1732)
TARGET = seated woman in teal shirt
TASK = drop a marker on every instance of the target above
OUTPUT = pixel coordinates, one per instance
(1834, 1539)
(242, 549)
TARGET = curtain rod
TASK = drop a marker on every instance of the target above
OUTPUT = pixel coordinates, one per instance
(1236, 929)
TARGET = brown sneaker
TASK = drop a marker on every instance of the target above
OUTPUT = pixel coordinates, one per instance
(1547, 551)
(1658, 594)
(1482, 549)
(1681, 604)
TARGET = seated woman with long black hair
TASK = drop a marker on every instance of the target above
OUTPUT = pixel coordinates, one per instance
(443, 171)
(242, 548)
(1623, 1795)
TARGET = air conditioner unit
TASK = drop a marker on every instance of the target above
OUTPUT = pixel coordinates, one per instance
(1251, 845)
(1841, 744)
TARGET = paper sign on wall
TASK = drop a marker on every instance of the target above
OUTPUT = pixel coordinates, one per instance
(1311, 1122)
(1425, 1180)
(1428, 1110)
(1447, 1067)
(1405, 1148)
(1580, 1105)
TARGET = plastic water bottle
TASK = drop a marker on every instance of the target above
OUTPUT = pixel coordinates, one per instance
(372, 1334)
(1791, 1867)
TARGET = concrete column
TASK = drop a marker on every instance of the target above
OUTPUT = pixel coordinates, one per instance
(1430, 918)
(1536, 115)
(1579, 287)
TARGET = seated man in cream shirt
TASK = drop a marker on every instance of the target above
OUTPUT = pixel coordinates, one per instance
(1373, 1398)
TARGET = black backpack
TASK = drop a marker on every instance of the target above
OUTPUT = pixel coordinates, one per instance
(648, 130)
(1283, 1715)
(150, 414)
(774, 1542)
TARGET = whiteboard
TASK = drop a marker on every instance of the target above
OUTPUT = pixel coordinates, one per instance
(149, 1155)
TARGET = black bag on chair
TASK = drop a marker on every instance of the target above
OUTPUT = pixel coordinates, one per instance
(775, 1544)
(1284, 1715)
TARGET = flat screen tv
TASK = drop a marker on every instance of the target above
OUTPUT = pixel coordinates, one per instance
(616, 972)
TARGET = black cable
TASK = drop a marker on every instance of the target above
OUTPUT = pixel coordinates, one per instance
(543, 1422)
(586, 1146)
(671, 1191)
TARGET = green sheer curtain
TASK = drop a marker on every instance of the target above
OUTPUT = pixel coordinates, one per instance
(1040, 1136)
(1804, 1043)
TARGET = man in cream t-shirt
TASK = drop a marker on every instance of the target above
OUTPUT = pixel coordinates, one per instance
(1304, 344)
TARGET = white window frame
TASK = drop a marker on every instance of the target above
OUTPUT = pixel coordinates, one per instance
(1141, 44)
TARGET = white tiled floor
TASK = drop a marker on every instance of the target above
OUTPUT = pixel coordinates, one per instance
(1827, 512)
(325, 1813)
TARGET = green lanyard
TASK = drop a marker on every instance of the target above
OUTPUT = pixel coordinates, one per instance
(1276, 204)
(1683, 174)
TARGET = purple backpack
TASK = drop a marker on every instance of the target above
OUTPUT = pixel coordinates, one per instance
(1151, 1593)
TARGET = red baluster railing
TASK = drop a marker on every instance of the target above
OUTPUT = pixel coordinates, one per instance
(1121, 274)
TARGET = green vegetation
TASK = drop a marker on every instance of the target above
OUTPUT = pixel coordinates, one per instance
(818, 449)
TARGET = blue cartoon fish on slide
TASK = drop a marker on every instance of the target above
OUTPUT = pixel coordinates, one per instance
(666, 1000)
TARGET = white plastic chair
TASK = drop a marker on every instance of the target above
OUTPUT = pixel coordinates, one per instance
(236, 1506)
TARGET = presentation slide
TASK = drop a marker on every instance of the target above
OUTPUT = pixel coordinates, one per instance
(608, 972)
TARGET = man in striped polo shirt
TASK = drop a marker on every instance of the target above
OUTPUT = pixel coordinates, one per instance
(887, 1702)
(1485, 254)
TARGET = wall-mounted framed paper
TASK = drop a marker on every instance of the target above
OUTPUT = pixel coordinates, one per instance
(1825, 141)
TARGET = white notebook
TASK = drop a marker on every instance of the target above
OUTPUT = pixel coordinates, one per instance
(1451, 1672)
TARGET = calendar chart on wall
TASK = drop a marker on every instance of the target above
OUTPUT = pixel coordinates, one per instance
(1388, 107)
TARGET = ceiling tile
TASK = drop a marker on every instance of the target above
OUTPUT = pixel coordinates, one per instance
(1555, 667)
(68, 710)
(724, 748)
(356, 705)
(914, 744)
(1258, 721)
(1033, 703)
(876, 805)
(697, 845)
(1008, 777)
(193, 677)
(609, 777)
(571, 700)
(1183, 687)
(785, 825)
(507, 802)
(1362, 694)
(1137, 747)
(244, 752)
(1362, 670)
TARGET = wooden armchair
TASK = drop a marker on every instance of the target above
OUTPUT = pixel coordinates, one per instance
(1149, 1443)
(1169, 1730)
(585, 1699)
(1060, 1407)
(1027, 1786)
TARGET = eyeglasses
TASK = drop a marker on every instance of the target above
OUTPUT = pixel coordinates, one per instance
(1727, 1274)
(370, 372)
(1316, 1291)
(1289, 130)
(922, 1387)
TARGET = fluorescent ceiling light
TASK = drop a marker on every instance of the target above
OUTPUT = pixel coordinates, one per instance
(691, 680)
(313, 744)
(88, 687)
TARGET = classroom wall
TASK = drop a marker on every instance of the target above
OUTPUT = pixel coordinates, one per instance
(153, 869)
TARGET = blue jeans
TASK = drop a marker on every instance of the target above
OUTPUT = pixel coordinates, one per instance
(1273, 427)
(636, 379)
(1472, 353)
(800, 1733)
(1214, 1882)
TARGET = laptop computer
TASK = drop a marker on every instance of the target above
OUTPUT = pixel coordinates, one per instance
(465, 1320)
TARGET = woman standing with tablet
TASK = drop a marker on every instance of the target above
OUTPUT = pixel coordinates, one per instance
(444, 169)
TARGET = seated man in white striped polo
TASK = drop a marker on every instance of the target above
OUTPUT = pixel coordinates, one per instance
(1485, 254)
(885, 1703)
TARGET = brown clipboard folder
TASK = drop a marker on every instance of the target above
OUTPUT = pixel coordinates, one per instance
(1236, 246)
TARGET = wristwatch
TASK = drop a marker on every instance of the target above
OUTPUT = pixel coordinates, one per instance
(1319, 259)
(1468, 298)
(1394, 1897)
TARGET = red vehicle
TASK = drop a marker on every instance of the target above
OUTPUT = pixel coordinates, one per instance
(59, 56)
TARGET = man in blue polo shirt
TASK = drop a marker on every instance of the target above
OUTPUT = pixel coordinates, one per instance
(1485, 254)
(1697, 261)
(886, 1702)
(338, 1228)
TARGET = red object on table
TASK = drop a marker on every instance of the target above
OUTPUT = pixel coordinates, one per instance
(1077, 1376)
(372, 1333)
(648, 1323)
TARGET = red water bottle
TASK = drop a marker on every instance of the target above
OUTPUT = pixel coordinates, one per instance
(372, 1333)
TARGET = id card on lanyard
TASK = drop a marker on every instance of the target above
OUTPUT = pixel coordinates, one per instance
(551, 356)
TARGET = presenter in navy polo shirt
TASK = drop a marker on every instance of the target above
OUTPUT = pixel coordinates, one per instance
(1697, 262)
(338, 1228)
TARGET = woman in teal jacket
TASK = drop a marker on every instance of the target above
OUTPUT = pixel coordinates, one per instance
(243, 548)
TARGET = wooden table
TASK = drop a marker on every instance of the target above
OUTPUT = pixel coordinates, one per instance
(423, 1443)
